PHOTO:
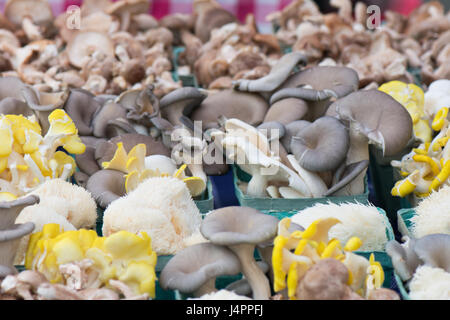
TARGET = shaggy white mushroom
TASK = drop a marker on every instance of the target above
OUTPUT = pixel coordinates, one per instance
(69, 200)
(430, 283)
(162, 207)
(432, 214)
(357, 220)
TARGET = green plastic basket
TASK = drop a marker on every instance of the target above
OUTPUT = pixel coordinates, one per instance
(287, 205)
(204, 205)
(187, 80)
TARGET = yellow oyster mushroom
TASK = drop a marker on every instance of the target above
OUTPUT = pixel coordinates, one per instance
(277, 263)
(6, 137)
(63, 130)
(140, 276)
(119, 161)
(441, 177)
(427, 159)
(353, 244)
(412, 98)
(440, 119)
(375, 277)
(7, 196)
(318, 229)
(20, 125)
(406, 186)
(32, 141)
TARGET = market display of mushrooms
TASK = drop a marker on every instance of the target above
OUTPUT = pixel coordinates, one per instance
(115, 126)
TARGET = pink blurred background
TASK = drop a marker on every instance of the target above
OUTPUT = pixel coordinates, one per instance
(260, 8)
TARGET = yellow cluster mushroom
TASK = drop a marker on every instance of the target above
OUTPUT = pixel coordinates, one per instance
(427, 167)
(412, 98)
(27, 159)
(121, 256)
(294, 253)
(133, 165)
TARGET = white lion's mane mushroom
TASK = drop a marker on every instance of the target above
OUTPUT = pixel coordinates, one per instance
(162, 207)
(241, 229)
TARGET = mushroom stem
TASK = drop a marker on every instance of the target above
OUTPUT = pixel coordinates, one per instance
(359, 151)
(125, 20)
(208, 287)
(275, 78)
(250, 269)
(257, 186)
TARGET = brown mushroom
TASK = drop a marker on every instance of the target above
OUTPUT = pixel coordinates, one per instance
(87, 43)
(125, 9)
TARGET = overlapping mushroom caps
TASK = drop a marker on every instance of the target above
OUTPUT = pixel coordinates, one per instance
(28, 159)
(412, 98)
(115, 46)
(311, 266)
(315, 165)
(121, 256)
(241, 229)
(376, 118)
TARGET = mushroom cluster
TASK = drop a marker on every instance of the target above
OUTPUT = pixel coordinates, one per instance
(328, 156)
(114, 47)
(235, 52)
(311, 266)
(32, 285)
(356, 39)
(424, 264)
(426, 168)
(83, 260)
(29, 158)
(232, 234)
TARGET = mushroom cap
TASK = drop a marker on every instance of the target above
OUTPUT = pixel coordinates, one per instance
(81, 106)
(106, 186)
(141, 105)
(131, 6)
(86, 161)
(287, 110)
(338, 79)
(291, 130)
(9, 210)
(85, 43)
(433, 250)
(272, 130)
(248, 107)
(39, 11)
(210, 19)
(403, 257)
(190, 268)
(180, 101)
(109, 111)
(238, 225)
(11, 87)
(321, 146)
(378, 116)
(177, 21)
(11, 105)
(16, 231)
(105, 150)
